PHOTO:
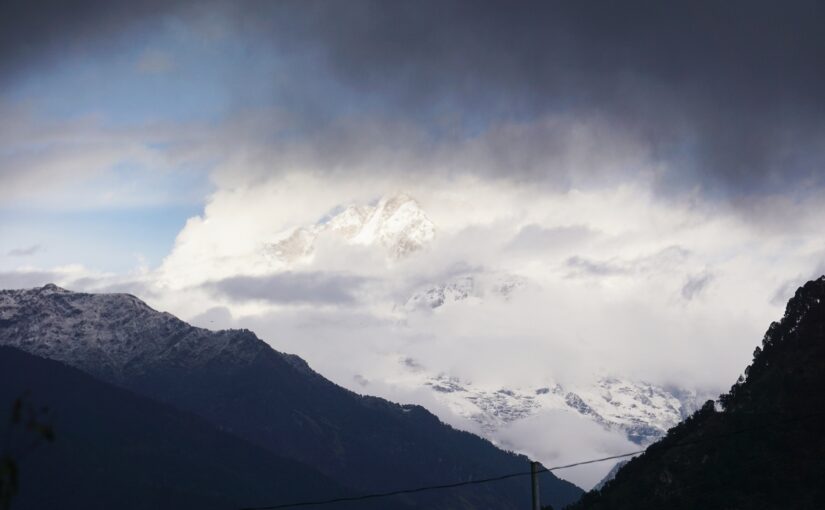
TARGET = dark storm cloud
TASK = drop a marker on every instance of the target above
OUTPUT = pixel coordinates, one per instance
(291, 288)
(41, 33)
(729, 94)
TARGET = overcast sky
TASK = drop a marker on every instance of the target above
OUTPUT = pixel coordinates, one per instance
(653, 170)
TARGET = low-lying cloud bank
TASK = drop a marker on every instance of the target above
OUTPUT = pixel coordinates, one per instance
(610, 280)
(519, 286)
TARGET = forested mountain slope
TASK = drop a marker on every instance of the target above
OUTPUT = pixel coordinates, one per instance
(764, 450)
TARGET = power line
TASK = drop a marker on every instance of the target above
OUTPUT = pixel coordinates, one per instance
(437, 487)
(519, 474)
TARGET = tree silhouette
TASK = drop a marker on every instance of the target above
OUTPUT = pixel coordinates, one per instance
(28, 429)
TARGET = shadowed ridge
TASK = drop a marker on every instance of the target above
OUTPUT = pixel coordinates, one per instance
(115, 449)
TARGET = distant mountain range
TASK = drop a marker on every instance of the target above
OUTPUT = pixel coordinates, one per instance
(760, 447)
(263, 399)
(643, 412)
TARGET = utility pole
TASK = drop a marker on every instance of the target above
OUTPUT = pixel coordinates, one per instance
(534, 474)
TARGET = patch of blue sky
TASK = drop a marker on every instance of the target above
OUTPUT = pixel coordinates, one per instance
(114, 240)
(111, 222)
(128, 185)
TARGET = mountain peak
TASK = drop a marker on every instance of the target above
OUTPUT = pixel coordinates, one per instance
(398, 224)
(51, 288)
(110, 335)
(395, 223)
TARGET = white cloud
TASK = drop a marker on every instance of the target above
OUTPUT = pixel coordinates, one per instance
(608, 270)
(73, 276)
(559, 438)
(610, 300)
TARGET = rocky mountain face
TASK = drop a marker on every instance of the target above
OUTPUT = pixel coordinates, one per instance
(396, 224)
(764, 449)
(643, 412)
(272, 400)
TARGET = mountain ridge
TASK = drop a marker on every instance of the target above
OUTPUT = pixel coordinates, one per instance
(275, 401)
(141, 453)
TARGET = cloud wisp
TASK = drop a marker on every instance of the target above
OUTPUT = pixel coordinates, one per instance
(305, 288)
(27, 251)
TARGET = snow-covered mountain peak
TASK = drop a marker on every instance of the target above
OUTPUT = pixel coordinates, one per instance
(350, 221)
(395, 223)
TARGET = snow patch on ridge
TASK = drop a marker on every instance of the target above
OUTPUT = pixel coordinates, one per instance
(111, 335)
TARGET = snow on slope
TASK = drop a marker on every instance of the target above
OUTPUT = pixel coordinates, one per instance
(396, 223)
(467, 288)
(112, 334)
(641, 411)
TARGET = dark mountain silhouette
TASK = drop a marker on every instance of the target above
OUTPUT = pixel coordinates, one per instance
(115, 449)
(764, 450)
(273, 400)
